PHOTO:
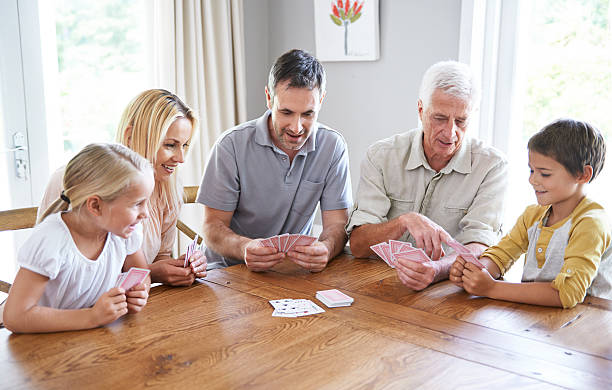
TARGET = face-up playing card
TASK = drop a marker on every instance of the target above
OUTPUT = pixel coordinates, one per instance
(294, 307)
(133, 277)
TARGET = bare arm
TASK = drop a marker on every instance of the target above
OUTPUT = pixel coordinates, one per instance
(479, 282)
(22, 314)
(333, 235)
(221, 239)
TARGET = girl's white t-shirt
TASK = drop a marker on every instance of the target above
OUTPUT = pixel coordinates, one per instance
(75, 281)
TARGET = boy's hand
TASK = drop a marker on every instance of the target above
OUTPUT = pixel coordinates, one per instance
(477, 281)
(136, 298)
(456, 271)
(110, 306)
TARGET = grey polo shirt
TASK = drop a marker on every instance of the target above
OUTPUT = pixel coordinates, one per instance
(466, 197)
(249, 175)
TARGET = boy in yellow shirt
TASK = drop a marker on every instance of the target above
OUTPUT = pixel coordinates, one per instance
(566, 236)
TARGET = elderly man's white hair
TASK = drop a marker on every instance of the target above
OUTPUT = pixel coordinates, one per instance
(453, 78)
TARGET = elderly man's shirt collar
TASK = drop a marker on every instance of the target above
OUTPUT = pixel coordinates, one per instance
(461, 161)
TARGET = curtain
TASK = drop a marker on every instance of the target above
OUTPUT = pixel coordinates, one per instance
(197, 52)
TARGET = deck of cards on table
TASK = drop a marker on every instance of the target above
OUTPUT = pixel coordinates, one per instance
(191, 248)
(393, 250)
(133, 277)
(334, 298)
(294, 307)
(284, 242)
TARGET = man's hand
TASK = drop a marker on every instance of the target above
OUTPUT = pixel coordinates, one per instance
(259, 258)
(312, 257)
(427, 234)
(416, 276)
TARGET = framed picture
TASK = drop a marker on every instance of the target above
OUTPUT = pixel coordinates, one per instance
(346, 30)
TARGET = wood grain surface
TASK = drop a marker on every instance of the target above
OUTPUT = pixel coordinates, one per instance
(220, 333)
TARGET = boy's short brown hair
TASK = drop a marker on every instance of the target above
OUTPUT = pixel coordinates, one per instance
(574, 144)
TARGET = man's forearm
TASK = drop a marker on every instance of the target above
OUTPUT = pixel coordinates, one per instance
(364, 236)
(224, 241)
(334, 237)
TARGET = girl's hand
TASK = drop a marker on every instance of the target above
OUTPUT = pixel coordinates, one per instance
(197, 261)
(110, 306)
(136, 298)
(456, 271)
(477, 281)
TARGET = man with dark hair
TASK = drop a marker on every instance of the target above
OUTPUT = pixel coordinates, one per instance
(267, 176)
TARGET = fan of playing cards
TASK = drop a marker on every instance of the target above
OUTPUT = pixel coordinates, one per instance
(393, 250)
(294, 307)
(285, 242)
(191, 248)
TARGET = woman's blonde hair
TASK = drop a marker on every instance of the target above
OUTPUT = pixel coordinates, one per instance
(149, 116)
(105, 170)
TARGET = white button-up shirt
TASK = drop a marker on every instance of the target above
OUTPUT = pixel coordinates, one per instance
(465, 198)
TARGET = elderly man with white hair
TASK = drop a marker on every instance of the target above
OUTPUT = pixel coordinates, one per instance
(432, 183)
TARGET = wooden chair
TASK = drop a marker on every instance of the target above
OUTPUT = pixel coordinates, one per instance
(16, 219)
(189, 196)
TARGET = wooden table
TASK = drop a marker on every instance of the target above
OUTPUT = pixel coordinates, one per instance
(220, 334)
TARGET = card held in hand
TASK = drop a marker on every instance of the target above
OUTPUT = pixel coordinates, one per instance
(133, 277)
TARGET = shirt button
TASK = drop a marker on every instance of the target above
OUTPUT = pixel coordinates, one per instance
(539, 250)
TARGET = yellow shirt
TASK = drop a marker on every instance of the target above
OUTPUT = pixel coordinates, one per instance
(574, 254)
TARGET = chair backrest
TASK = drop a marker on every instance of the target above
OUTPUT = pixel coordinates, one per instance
(189, 196)
(16, 219)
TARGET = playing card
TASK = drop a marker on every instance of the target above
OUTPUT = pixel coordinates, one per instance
(465, 253)
(283, 242)
(304, 240)
(334, 298)
(191, 248)
(291, 241)
(266, 243)
(384, 252)
(294, 307)
(133, 277)
(417, 256)
(398, 246)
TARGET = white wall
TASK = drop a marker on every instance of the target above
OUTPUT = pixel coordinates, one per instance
(366, 101)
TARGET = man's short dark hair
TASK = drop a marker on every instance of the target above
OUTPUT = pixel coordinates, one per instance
(301, 69)
(574, 144)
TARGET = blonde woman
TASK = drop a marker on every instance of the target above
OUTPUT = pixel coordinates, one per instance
(70, 263)
(159, 126)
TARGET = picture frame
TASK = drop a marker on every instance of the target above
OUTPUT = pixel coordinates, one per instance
(347, 30)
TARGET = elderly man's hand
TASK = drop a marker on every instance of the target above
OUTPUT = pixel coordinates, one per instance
(427, 234)
(415, 275)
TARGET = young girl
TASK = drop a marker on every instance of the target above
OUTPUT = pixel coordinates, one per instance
(70, 264)
(566, 236)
